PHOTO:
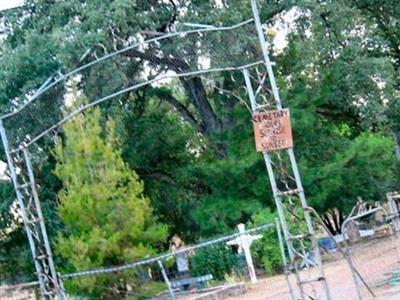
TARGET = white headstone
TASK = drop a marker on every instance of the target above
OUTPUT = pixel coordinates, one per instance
(244, 242)
(182, 262)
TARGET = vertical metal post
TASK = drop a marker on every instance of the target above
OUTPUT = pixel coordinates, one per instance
(347, 255)
(54, 277)
(278, 203)
(284, 261)
(28, 202)
(272, 180)
(166, 279)
(21, 204)
(307, 217)
(250, 91)
(267, 159)
(394, 211)
(353, 274)
(299, 192)
(264, 50)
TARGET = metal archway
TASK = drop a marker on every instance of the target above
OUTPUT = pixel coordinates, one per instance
(206, 52)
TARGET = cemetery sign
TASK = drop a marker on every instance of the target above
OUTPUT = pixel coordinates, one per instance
(272, 130)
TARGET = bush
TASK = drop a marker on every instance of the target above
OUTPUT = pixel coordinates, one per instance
(217, 260)
(266, 253)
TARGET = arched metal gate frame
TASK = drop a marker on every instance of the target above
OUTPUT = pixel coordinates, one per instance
(18, 138)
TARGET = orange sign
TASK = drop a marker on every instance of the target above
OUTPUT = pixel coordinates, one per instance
(272, 130)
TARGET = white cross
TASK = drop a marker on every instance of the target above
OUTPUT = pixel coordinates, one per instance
(244, 242)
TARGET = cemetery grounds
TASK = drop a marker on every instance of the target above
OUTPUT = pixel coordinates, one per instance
(376, 259)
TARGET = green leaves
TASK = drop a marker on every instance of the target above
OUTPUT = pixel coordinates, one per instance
(218, 261)
(339, 76)
(266, 251)
(107, 218)
(365, 167)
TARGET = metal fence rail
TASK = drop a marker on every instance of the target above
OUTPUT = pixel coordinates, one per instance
(142, 63)
(164, 276)
(200, 51)
(166, 255)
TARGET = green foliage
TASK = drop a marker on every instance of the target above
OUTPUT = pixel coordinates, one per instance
(266, 252)
(366, 168)
(13, 268)
(107, 218)
(149, 290)
(217, 260)
(339, 75)
(158, 145)
(236, 182)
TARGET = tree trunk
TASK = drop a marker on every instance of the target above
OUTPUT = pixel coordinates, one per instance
(195, 91)
(194, 88)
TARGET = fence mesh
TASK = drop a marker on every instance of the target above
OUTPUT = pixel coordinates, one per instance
(216, 270)
(180, 54)
(209, 270)
(375, 253)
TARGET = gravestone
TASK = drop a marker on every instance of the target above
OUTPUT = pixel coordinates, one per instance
(244, 242)
(182, 262)
(353, 233)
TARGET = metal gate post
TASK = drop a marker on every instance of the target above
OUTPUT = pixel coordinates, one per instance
(307, 216)
(13, 175)
(166, 279)
(53, 274)
(300, 251)
(284, 261)
(349, 260)
(34, 224)
(394, 211)
(278, 201)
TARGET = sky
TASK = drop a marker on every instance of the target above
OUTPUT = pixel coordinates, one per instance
(4, 4)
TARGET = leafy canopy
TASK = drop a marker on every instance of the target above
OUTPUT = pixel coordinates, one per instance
(108, 221)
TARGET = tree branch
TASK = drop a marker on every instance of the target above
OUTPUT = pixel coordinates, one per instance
(328, 25)
(193, 86)
(182, 109)
(395, 44)
(177, 65)
(161, 176)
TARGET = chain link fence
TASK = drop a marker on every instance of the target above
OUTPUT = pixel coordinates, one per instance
(145, 61)
(182, 55)
(214, 269)
(374, 248)
(366, 267)
(217, 269)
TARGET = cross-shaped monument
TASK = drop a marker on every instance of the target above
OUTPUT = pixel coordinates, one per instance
(244, 242)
